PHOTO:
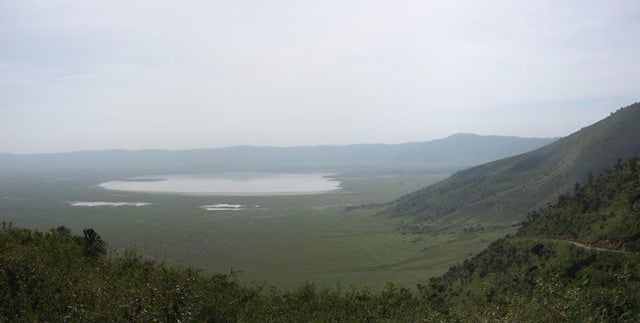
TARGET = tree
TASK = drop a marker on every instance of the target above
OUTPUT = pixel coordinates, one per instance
(93, 245)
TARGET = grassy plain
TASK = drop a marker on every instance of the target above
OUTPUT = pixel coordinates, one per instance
(286, 241)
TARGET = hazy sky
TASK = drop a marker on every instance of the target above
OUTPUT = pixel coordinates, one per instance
(83, 74)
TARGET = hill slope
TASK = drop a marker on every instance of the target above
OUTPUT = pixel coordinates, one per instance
(469, 149)
(455, 152)
(577, 260)
(502, 192)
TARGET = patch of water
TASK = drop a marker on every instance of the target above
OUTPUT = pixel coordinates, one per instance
(229, 184)
(225, 207)
(112, 204)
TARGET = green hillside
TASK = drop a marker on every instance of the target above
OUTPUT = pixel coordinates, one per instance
(575, 261)
(500, 193)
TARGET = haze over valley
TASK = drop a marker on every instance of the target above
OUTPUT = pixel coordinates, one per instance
(269, 211)
(361, 161)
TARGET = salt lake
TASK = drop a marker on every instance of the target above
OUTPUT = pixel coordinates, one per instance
(229, 184)
(113, 204)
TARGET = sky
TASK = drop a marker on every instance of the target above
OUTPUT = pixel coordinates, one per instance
(89, 75)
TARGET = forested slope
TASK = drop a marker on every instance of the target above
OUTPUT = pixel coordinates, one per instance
(576, 260)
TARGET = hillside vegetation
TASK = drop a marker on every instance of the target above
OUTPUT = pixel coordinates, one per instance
(58, 277)
(501, 193)
(576, 260)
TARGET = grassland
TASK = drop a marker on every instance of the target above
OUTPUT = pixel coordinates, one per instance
(286, 241)
(575, 261)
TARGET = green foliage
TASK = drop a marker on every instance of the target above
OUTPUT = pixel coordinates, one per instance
(603, 213)
(93, 245)
(574, 261)
(55, 276)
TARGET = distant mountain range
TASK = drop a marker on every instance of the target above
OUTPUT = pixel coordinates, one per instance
(454, 152)
(501, 193)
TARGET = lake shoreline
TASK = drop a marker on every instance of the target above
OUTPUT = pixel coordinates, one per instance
(230, 184)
